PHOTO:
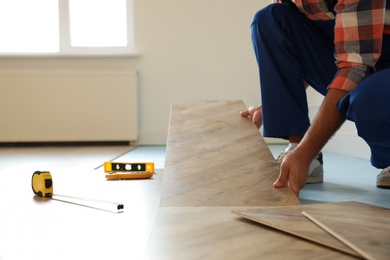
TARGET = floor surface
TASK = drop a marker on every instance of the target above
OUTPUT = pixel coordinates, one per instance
(77, 172)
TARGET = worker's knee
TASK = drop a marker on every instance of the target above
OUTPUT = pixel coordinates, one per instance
(368, 104)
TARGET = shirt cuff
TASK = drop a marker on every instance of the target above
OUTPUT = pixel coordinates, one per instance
(348, 78)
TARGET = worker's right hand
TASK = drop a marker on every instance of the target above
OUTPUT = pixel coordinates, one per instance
(254, 113)
(293, 170)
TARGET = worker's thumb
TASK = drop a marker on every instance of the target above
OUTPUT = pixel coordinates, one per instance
(280, 182)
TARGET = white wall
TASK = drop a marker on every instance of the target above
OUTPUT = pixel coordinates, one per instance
(189, 50)
(193, 50)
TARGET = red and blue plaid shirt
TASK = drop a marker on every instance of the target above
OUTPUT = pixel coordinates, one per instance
(359, 29)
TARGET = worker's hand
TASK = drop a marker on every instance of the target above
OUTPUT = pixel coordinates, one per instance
(254, 113)
(293, 171)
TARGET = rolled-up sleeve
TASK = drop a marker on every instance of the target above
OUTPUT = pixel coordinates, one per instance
(358, 40)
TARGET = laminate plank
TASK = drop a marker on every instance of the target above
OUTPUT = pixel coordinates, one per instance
(213, 233)
(214, 157)
(363, 227)
(290, 220)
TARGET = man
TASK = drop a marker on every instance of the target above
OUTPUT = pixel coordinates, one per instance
(341, 49)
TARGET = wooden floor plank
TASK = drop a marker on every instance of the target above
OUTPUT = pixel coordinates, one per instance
(214, 157)
(217, 161)
(213, 233)
(363, 227)
(290, 220)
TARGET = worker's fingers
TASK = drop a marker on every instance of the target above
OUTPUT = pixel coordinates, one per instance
(282, 179)
(286, 178)
(257, 118)
(244, 113)
(280, 182)
(248, 113)
(255, 113)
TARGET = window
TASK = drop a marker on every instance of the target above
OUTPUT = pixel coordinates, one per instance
(66, 27)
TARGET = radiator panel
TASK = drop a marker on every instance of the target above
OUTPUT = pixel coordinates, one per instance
(58, 106)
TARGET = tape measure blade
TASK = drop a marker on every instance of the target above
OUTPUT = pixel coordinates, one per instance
(90, 203)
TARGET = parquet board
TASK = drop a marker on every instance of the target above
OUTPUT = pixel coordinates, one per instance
(366, 226)
(363, 227)
(213, 233)
(214, 157)
(216, 160)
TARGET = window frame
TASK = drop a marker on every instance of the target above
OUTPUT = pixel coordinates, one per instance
(65, 48)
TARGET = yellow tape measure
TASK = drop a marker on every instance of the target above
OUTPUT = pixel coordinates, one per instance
(42, 185)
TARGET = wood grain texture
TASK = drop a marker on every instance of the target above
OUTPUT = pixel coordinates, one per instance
(361, 226)
(215, 157)
(290, 220)
(213, 233)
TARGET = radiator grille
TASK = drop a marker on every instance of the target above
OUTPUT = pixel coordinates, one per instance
(56, 106)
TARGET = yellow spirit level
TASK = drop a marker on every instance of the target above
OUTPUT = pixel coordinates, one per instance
(129, 167)
(128, 170)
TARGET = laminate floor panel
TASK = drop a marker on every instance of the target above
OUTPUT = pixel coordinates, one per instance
(214, 157)
(363, 227)
(205, 175)
(214, 233)
(291, 220)
(366, 226)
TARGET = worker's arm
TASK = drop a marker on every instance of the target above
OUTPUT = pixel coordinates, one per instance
(296, 164)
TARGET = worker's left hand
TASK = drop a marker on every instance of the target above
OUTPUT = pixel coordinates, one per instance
(255, 114)
(293, 171)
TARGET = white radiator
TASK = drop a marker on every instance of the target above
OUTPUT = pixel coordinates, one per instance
(70, 105)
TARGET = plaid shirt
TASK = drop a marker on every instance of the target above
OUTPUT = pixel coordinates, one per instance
(359, 29)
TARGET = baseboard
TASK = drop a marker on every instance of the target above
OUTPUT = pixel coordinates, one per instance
(269, 140)
(346, 141)
(341, 143)
(152, 137)
(349, 145)
(160, 138)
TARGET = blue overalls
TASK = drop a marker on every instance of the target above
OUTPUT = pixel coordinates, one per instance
(290, 49)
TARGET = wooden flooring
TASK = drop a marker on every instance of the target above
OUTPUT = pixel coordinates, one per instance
(216, 163)
(352, 227)
(215, 233)
(216, 158)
